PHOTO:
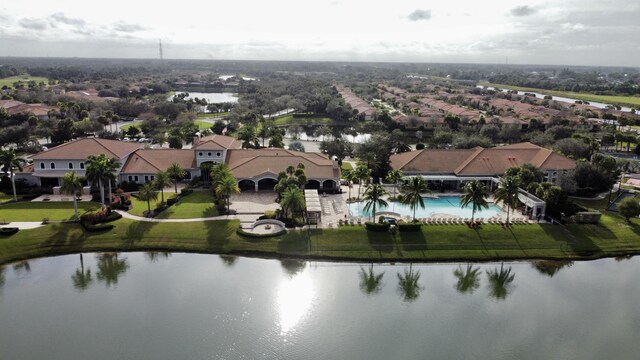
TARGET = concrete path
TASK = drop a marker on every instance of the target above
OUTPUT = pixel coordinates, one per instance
(241, 217)
(24, 225)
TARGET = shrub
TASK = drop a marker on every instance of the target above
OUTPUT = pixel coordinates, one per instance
(185, 192)
(376, 227)
(6, 231)
(409, 227)
(172, 201)
(95, 228)
(629, 207)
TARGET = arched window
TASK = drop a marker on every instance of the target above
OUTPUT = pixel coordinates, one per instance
(41, 165)
(70, 165)
(81, 165)
(53, 165)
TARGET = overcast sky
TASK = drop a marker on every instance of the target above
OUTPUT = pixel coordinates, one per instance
(572, 32)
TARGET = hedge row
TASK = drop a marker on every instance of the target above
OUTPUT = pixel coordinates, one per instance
(409, 227)
(371, 226)
(8, 231)
(95, 227)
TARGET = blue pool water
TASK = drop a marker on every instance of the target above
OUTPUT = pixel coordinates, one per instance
(449, 205)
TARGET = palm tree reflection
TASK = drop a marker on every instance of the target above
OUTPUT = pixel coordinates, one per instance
(22, 266)
(81, 278)
(468, 280)
(110, 268)
(408, 285)
(500, 282)
(154, 256)
(550, 267)
(293, 267)
(228, 260)
(370, 282)
(2, 280)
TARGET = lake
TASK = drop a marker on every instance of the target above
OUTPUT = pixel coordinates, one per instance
(212, 98)
(189, 306)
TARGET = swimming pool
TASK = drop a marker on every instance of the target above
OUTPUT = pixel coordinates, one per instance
(449, 205)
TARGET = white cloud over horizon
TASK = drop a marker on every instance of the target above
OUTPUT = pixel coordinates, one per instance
(571, 32)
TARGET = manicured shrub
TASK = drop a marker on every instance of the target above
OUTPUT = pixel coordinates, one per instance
(185, 192)
(376, 227)
(6, 231)
(409, 227)
(95, 228)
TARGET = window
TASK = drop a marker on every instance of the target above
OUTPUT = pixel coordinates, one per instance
(218, 154)
(136, 178)
(53, 165)
(130, 178)
(81, 165)
(208, 154)
(199, 154)
(41, 165)
(153, 177)
(146, 178)
(70, 165)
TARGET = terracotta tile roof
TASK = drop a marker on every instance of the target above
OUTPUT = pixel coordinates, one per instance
(8, 104)
(250, 163)
(150, 161)
(480, 161)
(80, 149)
(35, 109)
(217, 142)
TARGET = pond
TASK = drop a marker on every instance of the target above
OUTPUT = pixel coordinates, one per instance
(212, 98)
(442, 205)
(188, 306)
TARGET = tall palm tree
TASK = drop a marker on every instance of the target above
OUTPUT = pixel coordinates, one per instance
(175, 171)
(219, 172)
(468, 280)
(147, 193)
(347, 175)
(161, 181)
(112, 165)
(475, 193)
(411, 193)
(500, 282)
(292, 200)
(362, 173)
(72, 185)
(225, 188)
(394, 177)
(373, 197)
(370, 282)
(101, 169)
(507, 193)
(9, 162)
(408, 285)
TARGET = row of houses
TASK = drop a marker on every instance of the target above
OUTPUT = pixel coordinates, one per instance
(364, 109)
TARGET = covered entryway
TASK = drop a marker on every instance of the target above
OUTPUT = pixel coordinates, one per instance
(312, 184)
(205, 170)
(267, 184)
(329, 185)
(247, 185)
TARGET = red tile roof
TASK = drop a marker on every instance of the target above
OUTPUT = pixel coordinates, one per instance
(150, 161)
(80, 149)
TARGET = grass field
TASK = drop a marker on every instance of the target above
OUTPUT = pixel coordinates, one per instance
(311, 120)
(203, 125)
(127, 126)
(36, 211)
(212, 115)
(195, 205)
(139, 206)
(631, 101)
(22, 78)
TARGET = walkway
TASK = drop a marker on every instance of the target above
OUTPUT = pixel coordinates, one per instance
(242, 217)
(24, 225)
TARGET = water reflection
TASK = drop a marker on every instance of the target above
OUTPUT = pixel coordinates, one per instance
(110, 268)
(408, 285)
(154, 256)
(500, 282)
(550, 267)
(22, 266)
(370, 282)
(228, 260)
(293, 267)
(81, 278)
(294, 299)
(468, 279)
(2, 280)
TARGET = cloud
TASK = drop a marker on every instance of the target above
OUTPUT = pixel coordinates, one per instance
(63, 19)
(419, 15)
(523, 10)
(33, 24)
(128, 28)
(573, 27)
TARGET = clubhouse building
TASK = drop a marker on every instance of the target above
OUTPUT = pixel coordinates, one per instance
(255, 169)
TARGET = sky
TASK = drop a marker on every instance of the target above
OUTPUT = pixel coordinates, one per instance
(559, 32)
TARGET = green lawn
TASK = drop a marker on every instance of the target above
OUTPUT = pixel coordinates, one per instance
(213, 115)
(23, 79)
(307, 120)
(202, 125)
(195, 205)
(346, 166)
(139, 206)
(127, 126)
(36, 211)
(631, 101)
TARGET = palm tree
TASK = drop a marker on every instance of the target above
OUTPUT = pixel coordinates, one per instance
(112, 165)
(175, 171)
(9, 162)
(218, 173)
(507, 193)
(161, 181)
(81, 279)
(248, 136)
(100, 169)
(408, 285)
(147, 193)
(292, 200)
(500, 282)
(468, 280)
(411, 193)
(373, 197)
(370, 282)
(475, 193)
(225, 188)
(362, 173)
(72, 185)
(394, 177)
